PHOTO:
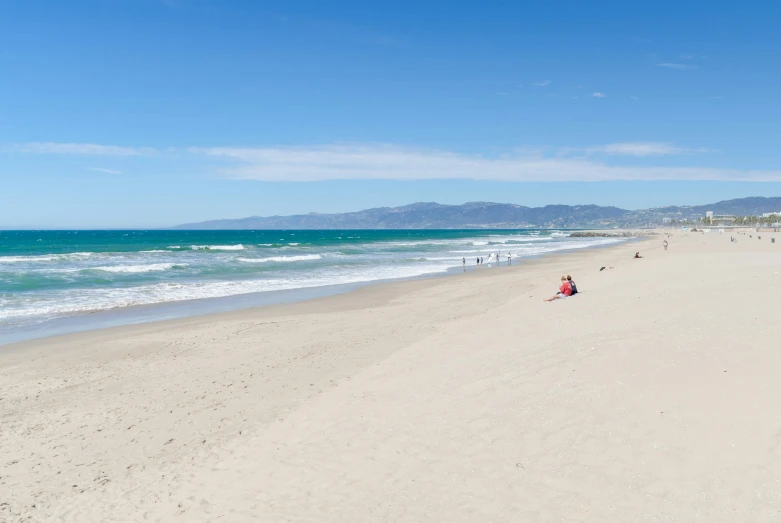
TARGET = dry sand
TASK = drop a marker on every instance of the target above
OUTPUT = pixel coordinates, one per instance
(651, 396)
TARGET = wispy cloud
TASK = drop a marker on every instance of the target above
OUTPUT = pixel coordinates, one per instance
(393, 162)
(599, 95)
(687, 56)
(669, 65)
(389, 162)
(638, 149)
(541, 84)
(104, 170)
(87, 149)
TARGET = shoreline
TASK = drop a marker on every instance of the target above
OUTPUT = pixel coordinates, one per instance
(165, 311)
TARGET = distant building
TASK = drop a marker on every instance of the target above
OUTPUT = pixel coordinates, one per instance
(709, 214)
(667, 220)
(769, 214)
(722, 219)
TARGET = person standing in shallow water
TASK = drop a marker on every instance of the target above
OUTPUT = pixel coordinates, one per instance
(463, 261)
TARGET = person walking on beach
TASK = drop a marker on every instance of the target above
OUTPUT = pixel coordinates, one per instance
(665, 245)
(478, 261)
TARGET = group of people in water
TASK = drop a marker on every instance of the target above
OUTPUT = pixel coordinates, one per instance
(496, 256)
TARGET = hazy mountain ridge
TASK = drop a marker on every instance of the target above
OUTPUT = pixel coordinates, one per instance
(430, 215)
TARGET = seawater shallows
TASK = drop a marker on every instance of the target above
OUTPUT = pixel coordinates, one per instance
(45, 275)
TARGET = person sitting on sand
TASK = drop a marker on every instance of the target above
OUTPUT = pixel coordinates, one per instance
(564, 291)
(637, 256)
(572, 285)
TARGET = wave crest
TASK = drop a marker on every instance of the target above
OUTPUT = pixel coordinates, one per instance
(304, 257)
(238, 247)
(152, 267)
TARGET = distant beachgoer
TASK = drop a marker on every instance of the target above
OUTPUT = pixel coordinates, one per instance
(481, 260)
(665, 245)
(463, 261)
(572, 284)
(508, 260)
(478, 261)
(604, 268)
(564, 291)
(637, 256)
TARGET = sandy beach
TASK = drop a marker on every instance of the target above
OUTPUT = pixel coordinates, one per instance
(649, 396)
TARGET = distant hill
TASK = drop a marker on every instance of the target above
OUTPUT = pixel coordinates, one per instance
(491, 215)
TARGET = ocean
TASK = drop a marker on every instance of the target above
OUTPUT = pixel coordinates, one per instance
(49, 275)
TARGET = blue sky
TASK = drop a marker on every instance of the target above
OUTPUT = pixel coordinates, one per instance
(144, 113)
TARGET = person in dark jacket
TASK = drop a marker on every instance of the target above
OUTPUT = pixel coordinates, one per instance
(572, 284)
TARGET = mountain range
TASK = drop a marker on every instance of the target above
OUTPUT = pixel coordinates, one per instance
(493, 215)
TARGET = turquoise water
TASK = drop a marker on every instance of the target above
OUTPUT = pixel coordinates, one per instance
(46, 275)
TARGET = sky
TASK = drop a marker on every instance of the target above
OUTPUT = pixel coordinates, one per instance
(150, 113)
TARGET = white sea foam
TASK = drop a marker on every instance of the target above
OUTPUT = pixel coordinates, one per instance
(479, 243)
(292, 243)
(87, 300)
(303, 257)
(46, 257)
(152, 267)
(238, 247)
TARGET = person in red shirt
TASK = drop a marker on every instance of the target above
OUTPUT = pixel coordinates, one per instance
(564, 291)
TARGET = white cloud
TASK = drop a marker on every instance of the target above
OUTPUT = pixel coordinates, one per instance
(640, 149)
(541, 84)
(392, 162)
(388, 162)
(89, 149)
(599, 95)
(669, 65)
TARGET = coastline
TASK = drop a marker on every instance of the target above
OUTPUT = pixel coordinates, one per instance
(140, 314)
(463, 398)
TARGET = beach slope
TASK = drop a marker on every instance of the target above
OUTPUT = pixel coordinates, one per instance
(649, 396)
